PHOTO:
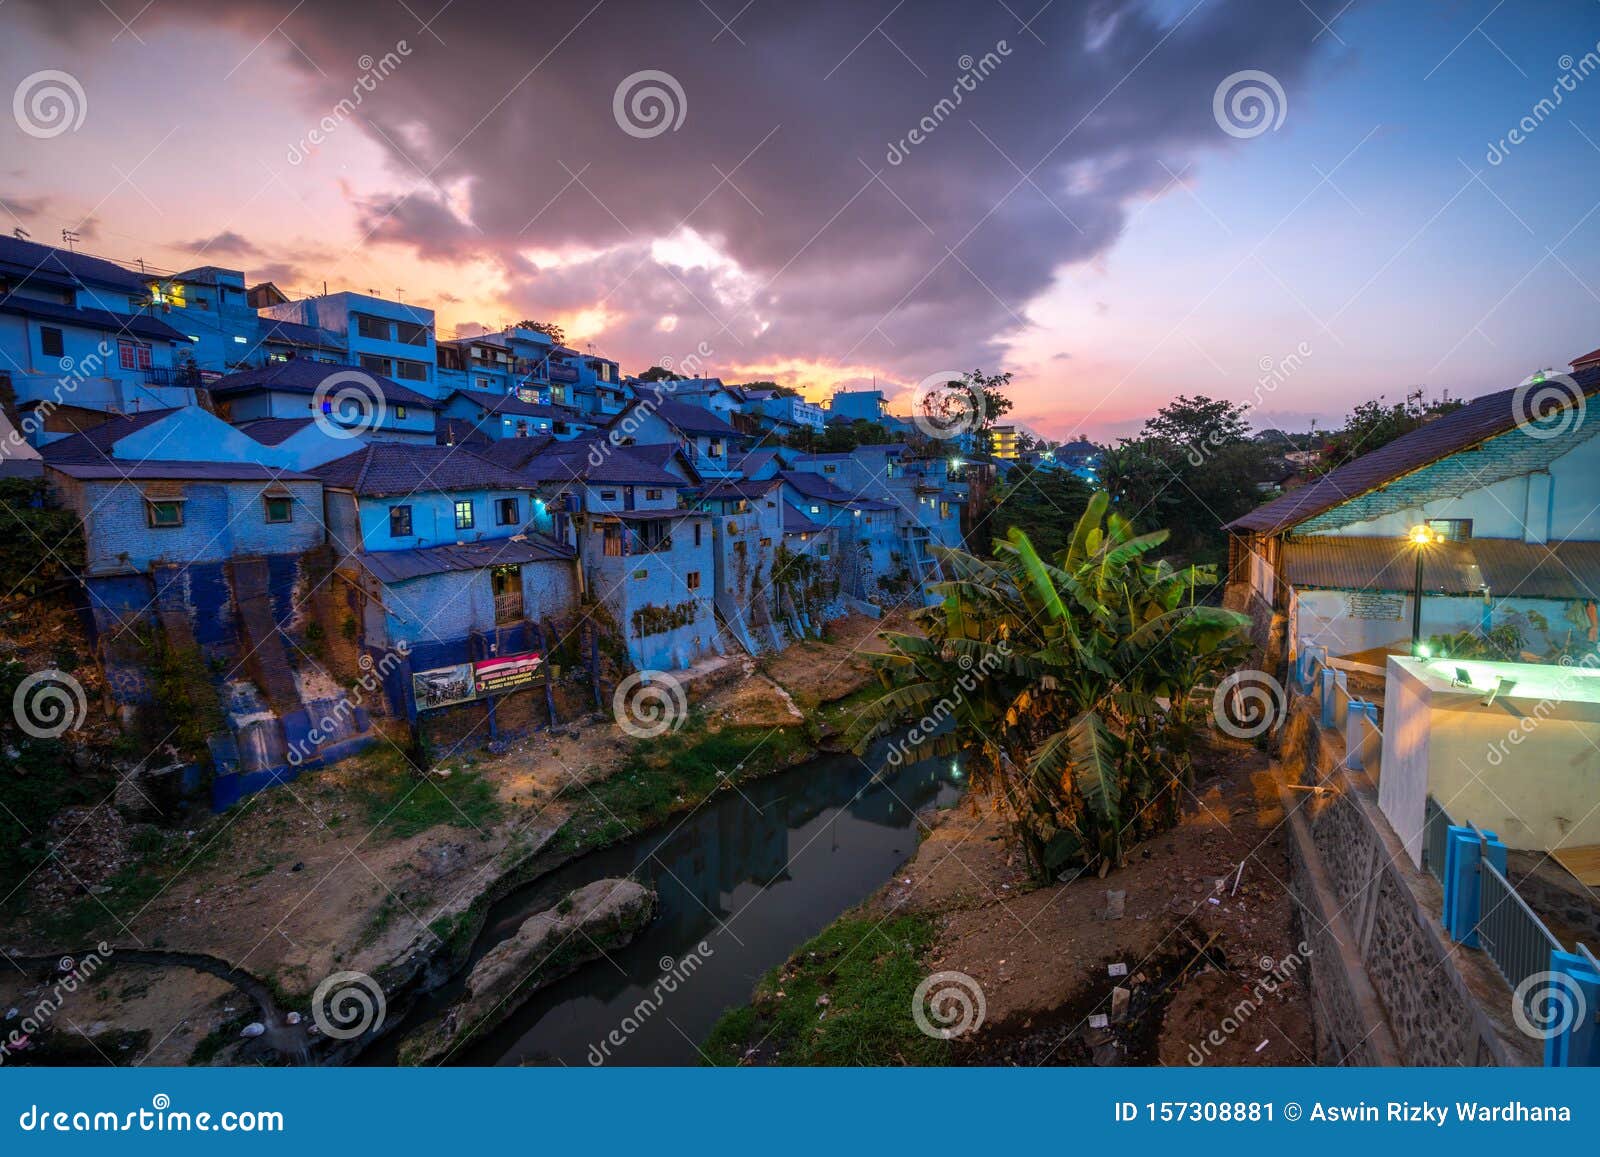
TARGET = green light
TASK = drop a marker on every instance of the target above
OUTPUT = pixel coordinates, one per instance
(1424, 651)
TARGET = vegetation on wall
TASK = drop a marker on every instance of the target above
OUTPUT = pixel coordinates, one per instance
(654, 620)
(805, 584)
(41, 544)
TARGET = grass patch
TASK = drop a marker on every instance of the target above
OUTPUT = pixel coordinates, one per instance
(672, 773)
(869, 972)
(839, 715)
(399, 799)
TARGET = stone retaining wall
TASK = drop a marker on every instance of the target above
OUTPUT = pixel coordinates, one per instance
(1390, 986)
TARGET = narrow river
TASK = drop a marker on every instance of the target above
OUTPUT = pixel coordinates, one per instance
(753, 873)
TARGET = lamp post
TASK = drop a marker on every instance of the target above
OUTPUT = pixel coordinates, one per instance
(1421, 537)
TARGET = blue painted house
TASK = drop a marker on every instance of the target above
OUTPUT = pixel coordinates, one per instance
(439, 556)
(646, 556)
(477, 415)
(1512, 510)
(302, 389)
(80, 331)
(386, 338)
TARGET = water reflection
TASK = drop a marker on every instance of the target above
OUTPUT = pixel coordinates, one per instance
(753, 874)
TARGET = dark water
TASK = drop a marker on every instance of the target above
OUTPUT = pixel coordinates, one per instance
(753, 874)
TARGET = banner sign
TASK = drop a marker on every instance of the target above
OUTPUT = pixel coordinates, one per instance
(508, 673)
(464, 682)
(443, 686)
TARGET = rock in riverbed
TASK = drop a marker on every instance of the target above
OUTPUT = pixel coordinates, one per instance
(589, 922)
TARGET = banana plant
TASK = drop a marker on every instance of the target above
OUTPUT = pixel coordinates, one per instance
(1067, 682)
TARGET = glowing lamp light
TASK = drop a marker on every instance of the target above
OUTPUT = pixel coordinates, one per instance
(1424, 651)
(1421, 535)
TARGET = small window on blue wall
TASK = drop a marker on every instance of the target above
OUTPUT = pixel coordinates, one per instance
(165, 512)
(280, 507)
(464, 519)
(399, 522)
(505, 512)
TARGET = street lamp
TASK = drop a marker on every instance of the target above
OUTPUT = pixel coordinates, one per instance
(1421, 537)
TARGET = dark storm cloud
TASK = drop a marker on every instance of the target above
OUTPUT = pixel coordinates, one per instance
(224, 244)
(783, 157)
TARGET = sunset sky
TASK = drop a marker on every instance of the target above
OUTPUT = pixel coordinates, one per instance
(1081, 219)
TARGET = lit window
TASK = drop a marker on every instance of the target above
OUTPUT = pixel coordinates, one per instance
(816, 510)
(1451, 529)
(280, 508)
(399, 522)
(464, 519)
(399, 411)
(164, 513)
(238, 340)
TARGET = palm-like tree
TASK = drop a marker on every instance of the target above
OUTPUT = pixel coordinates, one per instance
(1068, 683)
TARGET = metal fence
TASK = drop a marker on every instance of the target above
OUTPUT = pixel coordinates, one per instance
(1515, 939)
(1436, 823)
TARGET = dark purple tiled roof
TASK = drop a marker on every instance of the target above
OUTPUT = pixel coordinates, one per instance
(95, 444)
(388, 468)
(273, 431)
(681, 416)
(102, 320)
(392, 566)
(742, 488)
(272, 329)
(596, 461)
(151, 470)
(300, 376)
(21, 257)
(1458, 430)
(815, 486)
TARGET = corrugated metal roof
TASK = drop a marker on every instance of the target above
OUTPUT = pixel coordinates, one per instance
(393, 566)
(1562, 570)
(1488, 416)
